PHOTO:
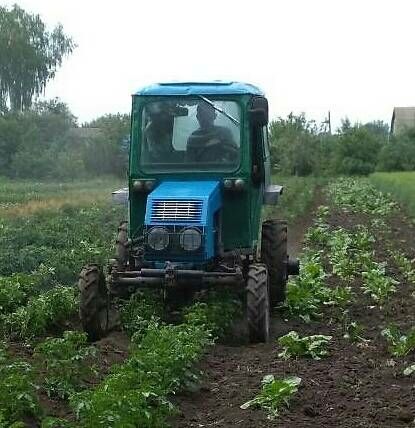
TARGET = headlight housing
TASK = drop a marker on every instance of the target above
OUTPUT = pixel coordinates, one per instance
(158, 238)
(190, 239)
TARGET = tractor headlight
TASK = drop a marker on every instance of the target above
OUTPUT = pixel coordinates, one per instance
(190, 239)
(158, 238)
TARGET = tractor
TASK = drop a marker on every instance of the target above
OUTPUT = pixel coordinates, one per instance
(199, 176)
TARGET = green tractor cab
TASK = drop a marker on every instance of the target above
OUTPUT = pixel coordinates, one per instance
(199, 175)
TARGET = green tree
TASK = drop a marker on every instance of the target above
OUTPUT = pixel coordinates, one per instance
(295, 145)
(29, 56)
(356, 150)
(104, 152)
(399, 153)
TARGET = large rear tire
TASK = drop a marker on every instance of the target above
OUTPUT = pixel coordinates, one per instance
(93, 306)
(257, 303)
(274, 256)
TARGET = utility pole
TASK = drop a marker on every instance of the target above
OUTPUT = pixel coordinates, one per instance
(329, 120)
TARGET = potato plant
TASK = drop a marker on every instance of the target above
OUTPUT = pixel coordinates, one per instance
(18, 398)
(159, 364)
(49, 309)
(293, 345)
(399, 344)
(406, 266)
(275, 394)
(378, 284)
(359, 196)
(65, 362)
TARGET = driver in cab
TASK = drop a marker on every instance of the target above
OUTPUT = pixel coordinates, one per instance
(211, 143)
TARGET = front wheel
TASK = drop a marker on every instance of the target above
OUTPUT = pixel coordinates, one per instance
(257, 303)
(93, 305)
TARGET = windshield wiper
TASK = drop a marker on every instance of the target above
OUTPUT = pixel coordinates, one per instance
(208, 101)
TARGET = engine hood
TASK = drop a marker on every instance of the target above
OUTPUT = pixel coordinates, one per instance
(183, 203)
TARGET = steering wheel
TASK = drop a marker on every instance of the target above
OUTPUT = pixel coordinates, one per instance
(220, 151)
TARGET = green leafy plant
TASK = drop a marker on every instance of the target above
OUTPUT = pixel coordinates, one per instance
(377, 284)
(352, 330)
(42, 312)
(17, 392)
(406, 266)
(359, 196)
(293, 345)
(275, 393)
(137, 313)
(399, 344)
(409, 370)
(306, 293)
(160, 363)
(65, 362)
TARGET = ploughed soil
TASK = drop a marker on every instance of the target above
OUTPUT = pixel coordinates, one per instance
(357, 385)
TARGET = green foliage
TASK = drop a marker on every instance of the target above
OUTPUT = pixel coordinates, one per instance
(159, 364)
(62, 243)
(353, 331)
(65, 362)
(295, 145)
(45, 142)
(304, 292)
(307, 293)
(30, 55)
(406, 266)
(17, 392)
(17, 288)
(399, 153)
(103, 152)
(356, 151)
(302, 147)
(350, 252)
(215, 316)
(293, 345)
(139, 312)
(296, 200)
(409, 370)
(377, 284)
(275, 394)
(359, 196)
(49, 309)
(400, 184)
(399, 344)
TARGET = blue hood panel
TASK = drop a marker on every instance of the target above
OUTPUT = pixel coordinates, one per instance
(183, 203)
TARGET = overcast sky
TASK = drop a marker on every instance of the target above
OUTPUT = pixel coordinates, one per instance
(355, 58)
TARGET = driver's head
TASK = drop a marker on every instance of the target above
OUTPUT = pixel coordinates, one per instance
(160, 116)
(206, 115)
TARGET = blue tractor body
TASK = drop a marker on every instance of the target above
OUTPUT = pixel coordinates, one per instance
(182, 210)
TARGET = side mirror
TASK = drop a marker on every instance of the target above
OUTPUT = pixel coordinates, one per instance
(258, 112)
(258, 117)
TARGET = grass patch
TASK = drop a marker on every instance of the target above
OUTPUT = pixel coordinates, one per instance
(400, 184)
(296, 199)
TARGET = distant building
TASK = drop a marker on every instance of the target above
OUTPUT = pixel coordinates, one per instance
(402, 118)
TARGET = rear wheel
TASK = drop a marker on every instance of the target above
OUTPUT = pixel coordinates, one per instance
(93, 306)
(257, 302)
(274, 255)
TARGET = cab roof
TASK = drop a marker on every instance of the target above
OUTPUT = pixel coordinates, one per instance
(216, 87)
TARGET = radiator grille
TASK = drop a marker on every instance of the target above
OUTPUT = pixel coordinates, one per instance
(180, 211)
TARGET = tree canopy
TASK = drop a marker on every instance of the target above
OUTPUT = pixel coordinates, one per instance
(29, 56)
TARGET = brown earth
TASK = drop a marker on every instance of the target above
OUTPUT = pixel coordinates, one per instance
(357, 385)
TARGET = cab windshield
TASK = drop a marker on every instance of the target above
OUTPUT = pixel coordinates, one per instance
(197, 134)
